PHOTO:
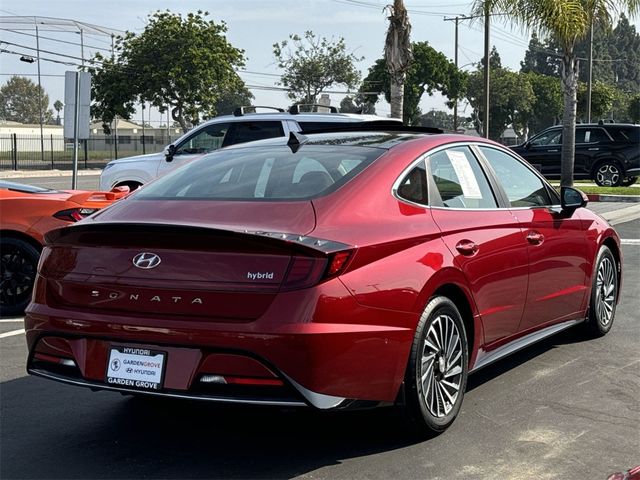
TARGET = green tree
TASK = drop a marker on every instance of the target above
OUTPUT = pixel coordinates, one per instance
(511, 100)
(58, 106)
(541, 58)
(568, 21)
(430, 71)
(547, 104)
(602, 98)
(634, 109)
(356, 104)
(19, 101)
(437, 119)
(183, 62)
(230, 100)
(312, 64)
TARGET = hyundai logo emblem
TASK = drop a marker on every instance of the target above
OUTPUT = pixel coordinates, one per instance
(146, 260)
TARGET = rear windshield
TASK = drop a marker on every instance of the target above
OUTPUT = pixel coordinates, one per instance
(265, 173)
(626, 134)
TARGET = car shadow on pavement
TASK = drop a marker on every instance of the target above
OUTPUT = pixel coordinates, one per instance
(56, 431)
(571, 335)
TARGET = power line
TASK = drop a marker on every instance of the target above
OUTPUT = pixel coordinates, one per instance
(56, 39)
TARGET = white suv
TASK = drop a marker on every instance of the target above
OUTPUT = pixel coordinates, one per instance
(220, 132)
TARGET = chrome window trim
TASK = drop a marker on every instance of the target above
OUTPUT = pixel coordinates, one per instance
(423, 158)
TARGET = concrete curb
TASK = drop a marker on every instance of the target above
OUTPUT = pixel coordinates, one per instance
(48, 173)
(598, 197)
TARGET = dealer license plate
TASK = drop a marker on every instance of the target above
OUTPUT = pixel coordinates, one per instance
(134, 367)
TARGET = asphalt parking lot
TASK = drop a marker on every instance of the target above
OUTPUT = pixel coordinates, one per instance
(566, 408)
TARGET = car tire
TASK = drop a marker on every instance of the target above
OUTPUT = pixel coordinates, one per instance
(132, 185)
(439, 354)
(627, 182)
(604, 293)
(18, 267)
(608, 174)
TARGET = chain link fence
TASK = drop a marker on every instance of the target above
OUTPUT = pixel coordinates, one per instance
(28, 152)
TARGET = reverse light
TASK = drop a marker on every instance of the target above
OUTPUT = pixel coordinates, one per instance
(74, 214)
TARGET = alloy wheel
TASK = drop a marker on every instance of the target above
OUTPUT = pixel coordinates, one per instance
(605, 291)
(441, 366)
(17, 274)
(608, 174)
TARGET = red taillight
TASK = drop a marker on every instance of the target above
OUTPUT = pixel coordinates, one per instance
(74, 214)
(307, 271)
(338, 262)
(304, 272)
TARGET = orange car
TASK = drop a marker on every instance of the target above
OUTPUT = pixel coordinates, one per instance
(26, 214)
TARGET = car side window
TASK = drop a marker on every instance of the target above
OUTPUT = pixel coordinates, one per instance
(523, 187)
(413, 186)
(594, 135)
(460, 180)
(205, 140)
(242, 132)
(553, 137)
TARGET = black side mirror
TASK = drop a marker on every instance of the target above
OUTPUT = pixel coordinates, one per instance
(169, 152)
(527, 145)
(572, 198)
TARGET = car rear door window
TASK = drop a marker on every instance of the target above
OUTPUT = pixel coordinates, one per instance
(591, 135)
(523, 187)
(460, 180)
(242, 132)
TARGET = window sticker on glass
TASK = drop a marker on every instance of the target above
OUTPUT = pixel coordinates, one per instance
(467, 179)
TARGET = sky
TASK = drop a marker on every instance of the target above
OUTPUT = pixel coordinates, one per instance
(254, 26)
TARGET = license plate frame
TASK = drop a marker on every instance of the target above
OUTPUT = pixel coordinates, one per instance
(136, 368)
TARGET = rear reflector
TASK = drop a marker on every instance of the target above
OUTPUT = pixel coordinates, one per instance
(338, 262)
(254, 381)
(43, 357)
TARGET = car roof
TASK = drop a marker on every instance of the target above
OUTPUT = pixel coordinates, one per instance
(383, 139)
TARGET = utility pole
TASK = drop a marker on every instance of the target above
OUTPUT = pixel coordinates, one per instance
(486, 70)
(40, 97)
(590, 74)
(115, 137)
(455, 104)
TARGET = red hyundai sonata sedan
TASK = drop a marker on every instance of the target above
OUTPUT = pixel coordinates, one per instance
(335, 270)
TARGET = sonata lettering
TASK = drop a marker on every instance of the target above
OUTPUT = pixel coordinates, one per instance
(136, 297)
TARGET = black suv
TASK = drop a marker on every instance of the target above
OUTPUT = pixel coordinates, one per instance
(608, 153)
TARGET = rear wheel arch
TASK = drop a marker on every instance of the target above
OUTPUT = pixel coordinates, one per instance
(613, 246)
(21, 236)
(457, 295)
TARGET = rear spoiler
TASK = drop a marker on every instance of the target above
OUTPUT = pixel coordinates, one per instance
(115, 194)
(100, 234)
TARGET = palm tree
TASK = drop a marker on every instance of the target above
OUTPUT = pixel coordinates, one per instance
(397, 53)
(568, 21)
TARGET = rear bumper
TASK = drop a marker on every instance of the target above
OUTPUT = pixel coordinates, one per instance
(322, 357)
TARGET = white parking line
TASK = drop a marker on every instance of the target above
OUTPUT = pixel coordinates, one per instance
(11, 333)
(630, 241)
(12, 320)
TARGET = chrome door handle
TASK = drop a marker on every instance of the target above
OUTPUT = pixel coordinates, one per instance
(467, 247)
(552, 151)
(593, 149)
(535, 238)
